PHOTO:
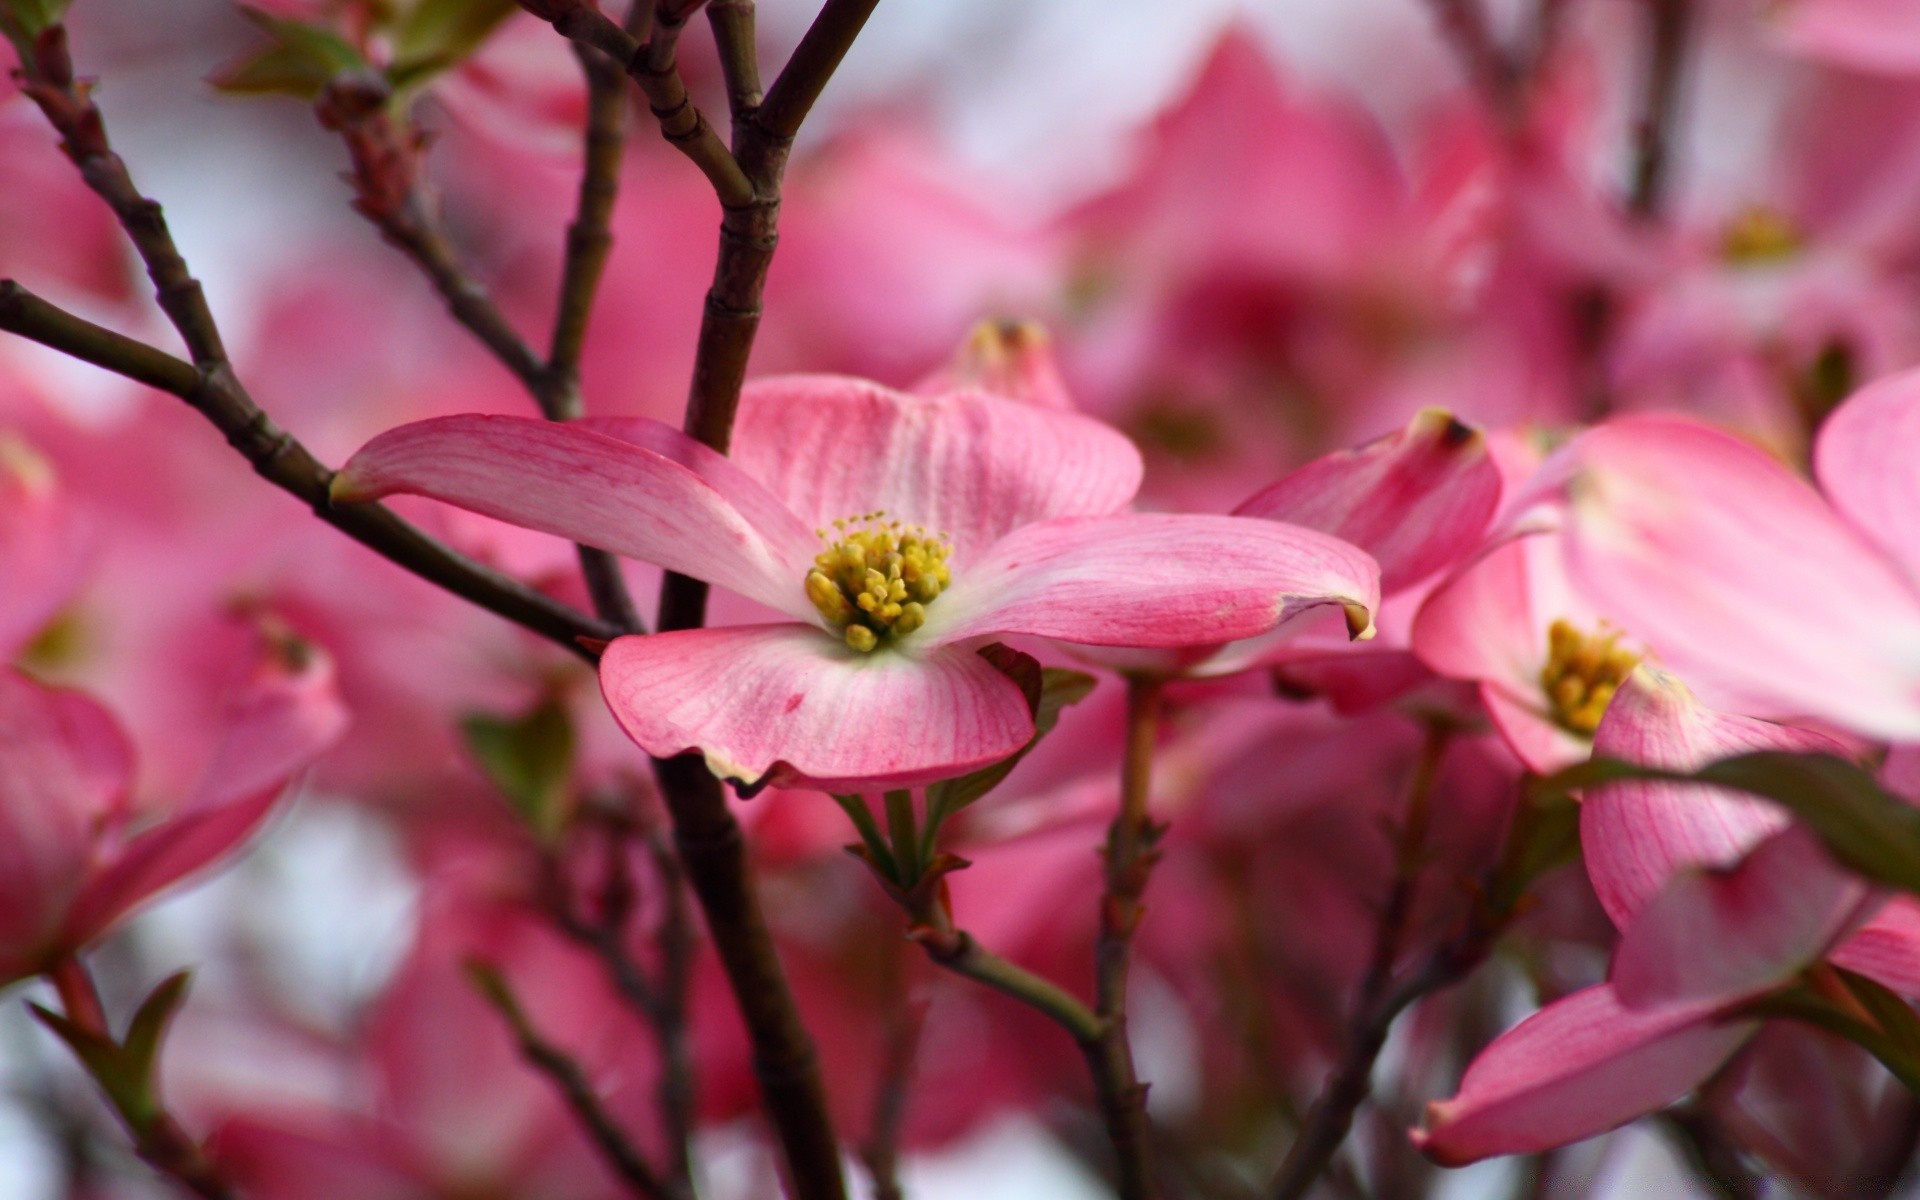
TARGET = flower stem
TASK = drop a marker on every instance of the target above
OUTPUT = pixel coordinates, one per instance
(1130, 854)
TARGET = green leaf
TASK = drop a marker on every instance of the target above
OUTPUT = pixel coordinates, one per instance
(530, 759)
(1049, 692)
(1893, 1014)
(437, 34)
(1867, 830)
(1545, 834)
(24, 20)
(141, 1049)
(299, 60)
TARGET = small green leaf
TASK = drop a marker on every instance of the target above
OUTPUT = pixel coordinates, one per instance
(1545, 834)
(24, 20)
(300, 59)
(1049, 692)
(530, 759)
(437, 34)
(141, 1049)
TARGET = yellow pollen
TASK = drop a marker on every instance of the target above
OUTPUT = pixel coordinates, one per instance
(1758, 234)
(1583, 672)
(876, 577)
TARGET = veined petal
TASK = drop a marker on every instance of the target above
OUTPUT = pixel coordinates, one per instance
(64, 770)
(1153, 579)
(1578, 1067)
(1733, 570)
(1865, 458)
(1730, 934)
(1417, 499)
(1636, 835)
(790, 705)
(1887, 947)
(964, 463)
(602, 491)
(41, 545)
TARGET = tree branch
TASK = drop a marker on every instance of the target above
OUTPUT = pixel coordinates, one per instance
(620, 1155)
(284, 462)
(1653, 132)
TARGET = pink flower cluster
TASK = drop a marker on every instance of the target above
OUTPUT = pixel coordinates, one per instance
(1349, 476)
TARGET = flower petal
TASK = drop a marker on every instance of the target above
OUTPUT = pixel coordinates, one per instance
(64, 770)
(789, 705)
(1736, 573)
(1635, 836)
(1578, 1067)
(1153, 579)
(42, 549)
(964, 463)
(599, 490)
(1864, 459)
(1887, 948)
(1730, 934)
(1417, 499)
(287, 713)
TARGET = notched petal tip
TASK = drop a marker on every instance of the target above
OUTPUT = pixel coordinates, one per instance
(1447, 430)
(1360, 625)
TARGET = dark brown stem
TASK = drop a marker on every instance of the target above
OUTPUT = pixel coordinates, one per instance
(732, 22)
(282, 460)
(676, 943)
(1131, 852)
(882, 1151)
(957, 951)
(1378, 1004)
(1653, 131)
(1712, 1152)
(619, 1153)
(157, 1136)
(1487, 66)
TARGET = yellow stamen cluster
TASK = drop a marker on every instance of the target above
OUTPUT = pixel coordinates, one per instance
(1583, 672)
(1758, 234)
(875, 578)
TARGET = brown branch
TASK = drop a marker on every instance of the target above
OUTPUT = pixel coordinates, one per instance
(881, 1154)
(736, 39)
(1667, 36)
(814, 61)
(157, 1135)
(1379, 1003)
(280, 458)
(1131, 852)
(1463, 23)
(619, 1153)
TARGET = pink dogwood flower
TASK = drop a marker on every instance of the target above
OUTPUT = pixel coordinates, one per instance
(1719, 899)
(896, 533)
(76, 854)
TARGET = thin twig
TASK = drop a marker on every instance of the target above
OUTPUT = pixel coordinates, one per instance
(283, 461)
(1464, 25)
(1131, 852)
(882, 1150)
(734, 36)
(1653, 131)
(619, 1153)
(157, 1136)
(1331, 1116)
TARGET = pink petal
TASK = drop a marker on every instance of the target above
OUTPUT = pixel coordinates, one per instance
(1730, 934)
(790, 705)
(1735, 572)
(1887, 948)
(1864, 459)
(1636, 836)
(64, 771)
(1871, 35)
(1578, 1067)
(1417, 499)
(1008, 358)
(1153, 579)
(42, 549)
(679, 511)
(287, 713)
(964, 462)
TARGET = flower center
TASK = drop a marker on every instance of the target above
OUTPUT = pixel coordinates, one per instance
(875, 578)
(1583, 672)
(1758, 234)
